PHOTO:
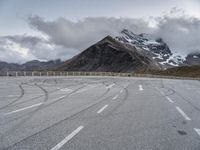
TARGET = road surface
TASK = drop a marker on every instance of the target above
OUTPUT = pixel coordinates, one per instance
(99, 113)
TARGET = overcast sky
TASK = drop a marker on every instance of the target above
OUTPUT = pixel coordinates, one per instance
(31, 29)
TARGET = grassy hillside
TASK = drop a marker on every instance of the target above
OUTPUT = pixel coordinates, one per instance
(186, 71)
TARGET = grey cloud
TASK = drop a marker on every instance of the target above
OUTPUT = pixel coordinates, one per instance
(8, 54)
(181, 32)
(67, 38)
(81, 34)
(21, 48)
(24, 39)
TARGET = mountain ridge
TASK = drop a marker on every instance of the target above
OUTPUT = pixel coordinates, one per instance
(34, 65)
(109, 55)
(158, 49)
(127, 52)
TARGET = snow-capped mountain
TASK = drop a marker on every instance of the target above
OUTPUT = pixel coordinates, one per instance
(154, 47)
(110, 55)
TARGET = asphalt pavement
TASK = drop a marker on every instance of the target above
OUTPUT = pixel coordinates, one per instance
(99, 113)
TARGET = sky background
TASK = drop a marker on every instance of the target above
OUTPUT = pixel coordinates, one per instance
(31, 29)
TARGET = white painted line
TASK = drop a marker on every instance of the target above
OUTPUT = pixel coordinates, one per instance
(10, 96)
(82, 90)
(79, 91)
(18, 110)
(197, 130)
(141, 88)
(182, 113)
(57, 99)
(110, 86)
(66, 90)
(66, 139)
(121, 91)
(115, 97)
(102, 109)
(169, 99)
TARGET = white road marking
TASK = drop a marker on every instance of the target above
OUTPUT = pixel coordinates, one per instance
(121, 91)
(169, 99)
(18, 110)
(57, 99)
(182, 113)
(82, 90)
(66, 139)
(110, 86)
(66, 90)
(197, 130)
(115, 97)
(141, 88)
(10, 96)
(102, 109)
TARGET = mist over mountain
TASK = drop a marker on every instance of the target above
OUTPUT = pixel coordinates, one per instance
(127, 52)
(63, 38)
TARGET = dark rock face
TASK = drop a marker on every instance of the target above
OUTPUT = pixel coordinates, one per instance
(109, 55)
(158, 49)
(146, 42)
(153, 47)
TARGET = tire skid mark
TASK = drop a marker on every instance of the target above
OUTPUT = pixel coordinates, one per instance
(27, 117)
(182, 98)
(69, 117)
(121, 102)
(17, 99)
(45, 92)
(43, 105)
(53, 91)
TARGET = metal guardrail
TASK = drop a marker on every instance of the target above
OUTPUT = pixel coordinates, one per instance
(70, 73)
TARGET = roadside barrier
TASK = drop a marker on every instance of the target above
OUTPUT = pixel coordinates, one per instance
(71, 73)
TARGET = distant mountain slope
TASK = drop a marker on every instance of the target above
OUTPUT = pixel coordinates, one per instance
(193, 59)
(110, 55)
(4, 66)
(29, 66)
(184, 71)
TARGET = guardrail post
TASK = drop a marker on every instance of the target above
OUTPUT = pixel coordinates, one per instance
(32, 73)
(40, 74)
(47, 73)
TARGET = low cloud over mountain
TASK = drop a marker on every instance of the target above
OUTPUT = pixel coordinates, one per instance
(66, 38)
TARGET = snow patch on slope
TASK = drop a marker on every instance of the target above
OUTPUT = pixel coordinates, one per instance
(155, 47)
